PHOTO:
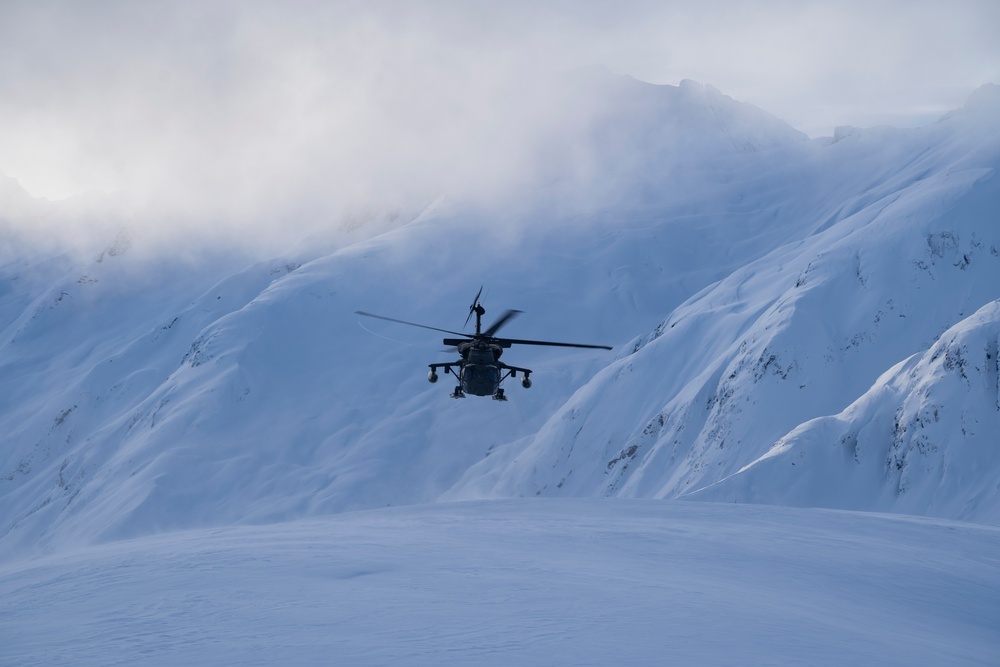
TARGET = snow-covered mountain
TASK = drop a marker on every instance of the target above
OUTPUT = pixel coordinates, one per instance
(805, 322)
(883, 274)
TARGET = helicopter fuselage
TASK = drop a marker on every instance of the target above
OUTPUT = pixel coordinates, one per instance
(480, 372)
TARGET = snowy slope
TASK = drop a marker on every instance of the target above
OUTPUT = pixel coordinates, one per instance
(779, 277)
(905, 244)
(918, 441)
(538, 582)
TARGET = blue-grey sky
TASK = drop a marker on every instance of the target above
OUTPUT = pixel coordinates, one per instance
(225, 99)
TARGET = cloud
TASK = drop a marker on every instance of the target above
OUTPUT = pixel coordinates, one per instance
(226, 112)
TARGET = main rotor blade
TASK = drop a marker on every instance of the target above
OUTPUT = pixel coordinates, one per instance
(515, 341)
(501, 321)
(412, 324)
(455, 342)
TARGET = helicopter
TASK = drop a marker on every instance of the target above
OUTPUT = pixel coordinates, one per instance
(479, 370)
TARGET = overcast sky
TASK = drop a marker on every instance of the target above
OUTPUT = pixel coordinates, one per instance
(224, 100)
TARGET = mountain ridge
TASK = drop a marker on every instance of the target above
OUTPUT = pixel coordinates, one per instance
(148, 395)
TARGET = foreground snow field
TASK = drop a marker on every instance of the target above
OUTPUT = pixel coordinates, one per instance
(540, 581)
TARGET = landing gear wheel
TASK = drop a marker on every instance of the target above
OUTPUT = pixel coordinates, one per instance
(499, 396)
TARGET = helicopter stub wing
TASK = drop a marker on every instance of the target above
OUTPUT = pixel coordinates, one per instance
(445, 364)
(515, 369)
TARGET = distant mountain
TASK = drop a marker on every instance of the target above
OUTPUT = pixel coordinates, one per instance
(902, 245)
(756, 284)
(616, 140)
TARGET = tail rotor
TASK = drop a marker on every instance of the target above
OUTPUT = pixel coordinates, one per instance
(477, 309)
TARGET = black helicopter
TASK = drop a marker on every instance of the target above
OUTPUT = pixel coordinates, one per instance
(480, 371)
